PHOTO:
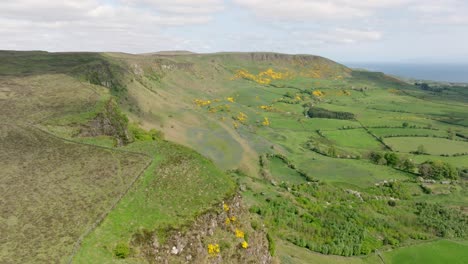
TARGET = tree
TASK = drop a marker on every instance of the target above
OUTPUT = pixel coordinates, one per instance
(425, 170)
(438, 170)
(450, 133)
(407, 165)
(405, 124)
(421, 150)
(289, 94)
(332, 151)
(377, 158)
(391, 159)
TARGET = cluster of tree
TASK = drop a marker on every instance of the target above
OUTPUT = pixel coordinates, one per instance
(455, 154)
(421, 150)
(139, 134)
(461, 135)
(317, 112)
(463, 173)
(394, 189)
(393, 160)
(427, 87)
(438, 170)
(415, 135)
(442, 221)
(406, 125)
(328, 219)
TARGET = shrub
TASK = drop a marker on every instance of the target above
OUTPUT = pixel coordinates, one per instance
(316, 112)
(271, 244)
(438, 170)
(122, 250)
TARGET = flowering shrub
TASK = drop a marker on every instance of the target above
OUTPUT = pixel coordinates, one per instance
(230, 99)
(235, 124)
(239, 233)
(266, 107)
(227, 221)
(241, 117)
(220, 108)
(233, 218)
(263, 77)
(272, 74)
(244, 244)
(225, 207)
(266, 122)
(200, 102)
(318, 93)
(213, 249)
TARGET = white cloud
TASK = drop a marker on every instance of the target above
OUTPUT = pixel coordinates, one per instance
(337, 36)
(338, 10)
(302, 9)
(98, 25)
(180, 6)
(349, 36)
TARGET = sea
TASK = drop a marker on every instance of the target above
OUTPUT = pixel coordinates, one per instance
(455, 73)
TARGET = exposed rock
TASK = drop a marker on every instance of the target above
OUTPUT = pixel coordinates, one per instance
(191, 246)
(109, 122)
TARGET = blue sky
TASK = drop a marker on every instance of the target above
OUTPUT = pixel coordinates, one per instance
(343, 30)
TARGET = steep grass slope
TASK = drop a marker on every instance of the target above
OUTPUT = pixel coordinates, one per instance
(63, 170)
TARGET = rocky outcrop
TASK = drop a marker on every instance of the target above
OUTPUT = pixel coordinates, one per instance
(211, 228)
(110, 122)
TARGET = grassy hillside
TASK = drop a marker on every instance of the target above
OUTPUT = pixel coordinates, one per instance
(326, 159)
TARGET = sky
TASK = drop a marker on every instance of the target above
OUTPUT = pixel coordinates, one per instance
(344, 30)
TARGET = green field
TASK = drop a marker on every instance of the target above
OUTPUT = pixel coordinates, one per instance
(353, 138)
(434, 146)
(442, 251)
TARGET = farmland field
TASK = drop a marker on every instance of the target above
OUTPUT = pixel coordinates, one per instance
(353, 138)
(442, 251)
(434, 146)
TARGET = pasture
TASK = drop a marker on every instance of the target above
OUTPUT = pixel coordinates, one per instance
(434, 146)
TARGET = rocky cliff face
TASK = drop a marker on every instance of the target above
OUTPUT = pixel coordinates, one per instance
(227, 231)
(109, 122)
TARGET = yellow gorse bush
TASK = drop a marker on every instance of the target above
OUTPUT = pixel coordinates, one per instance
(239, 233)
(213, 249)
(266, 122)
(230, 99)
(272, 74)
(225, 207)
(241, 117)
(200, 102)
(244, 244)
(318, 93)
(266, 107)
(264, 77)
